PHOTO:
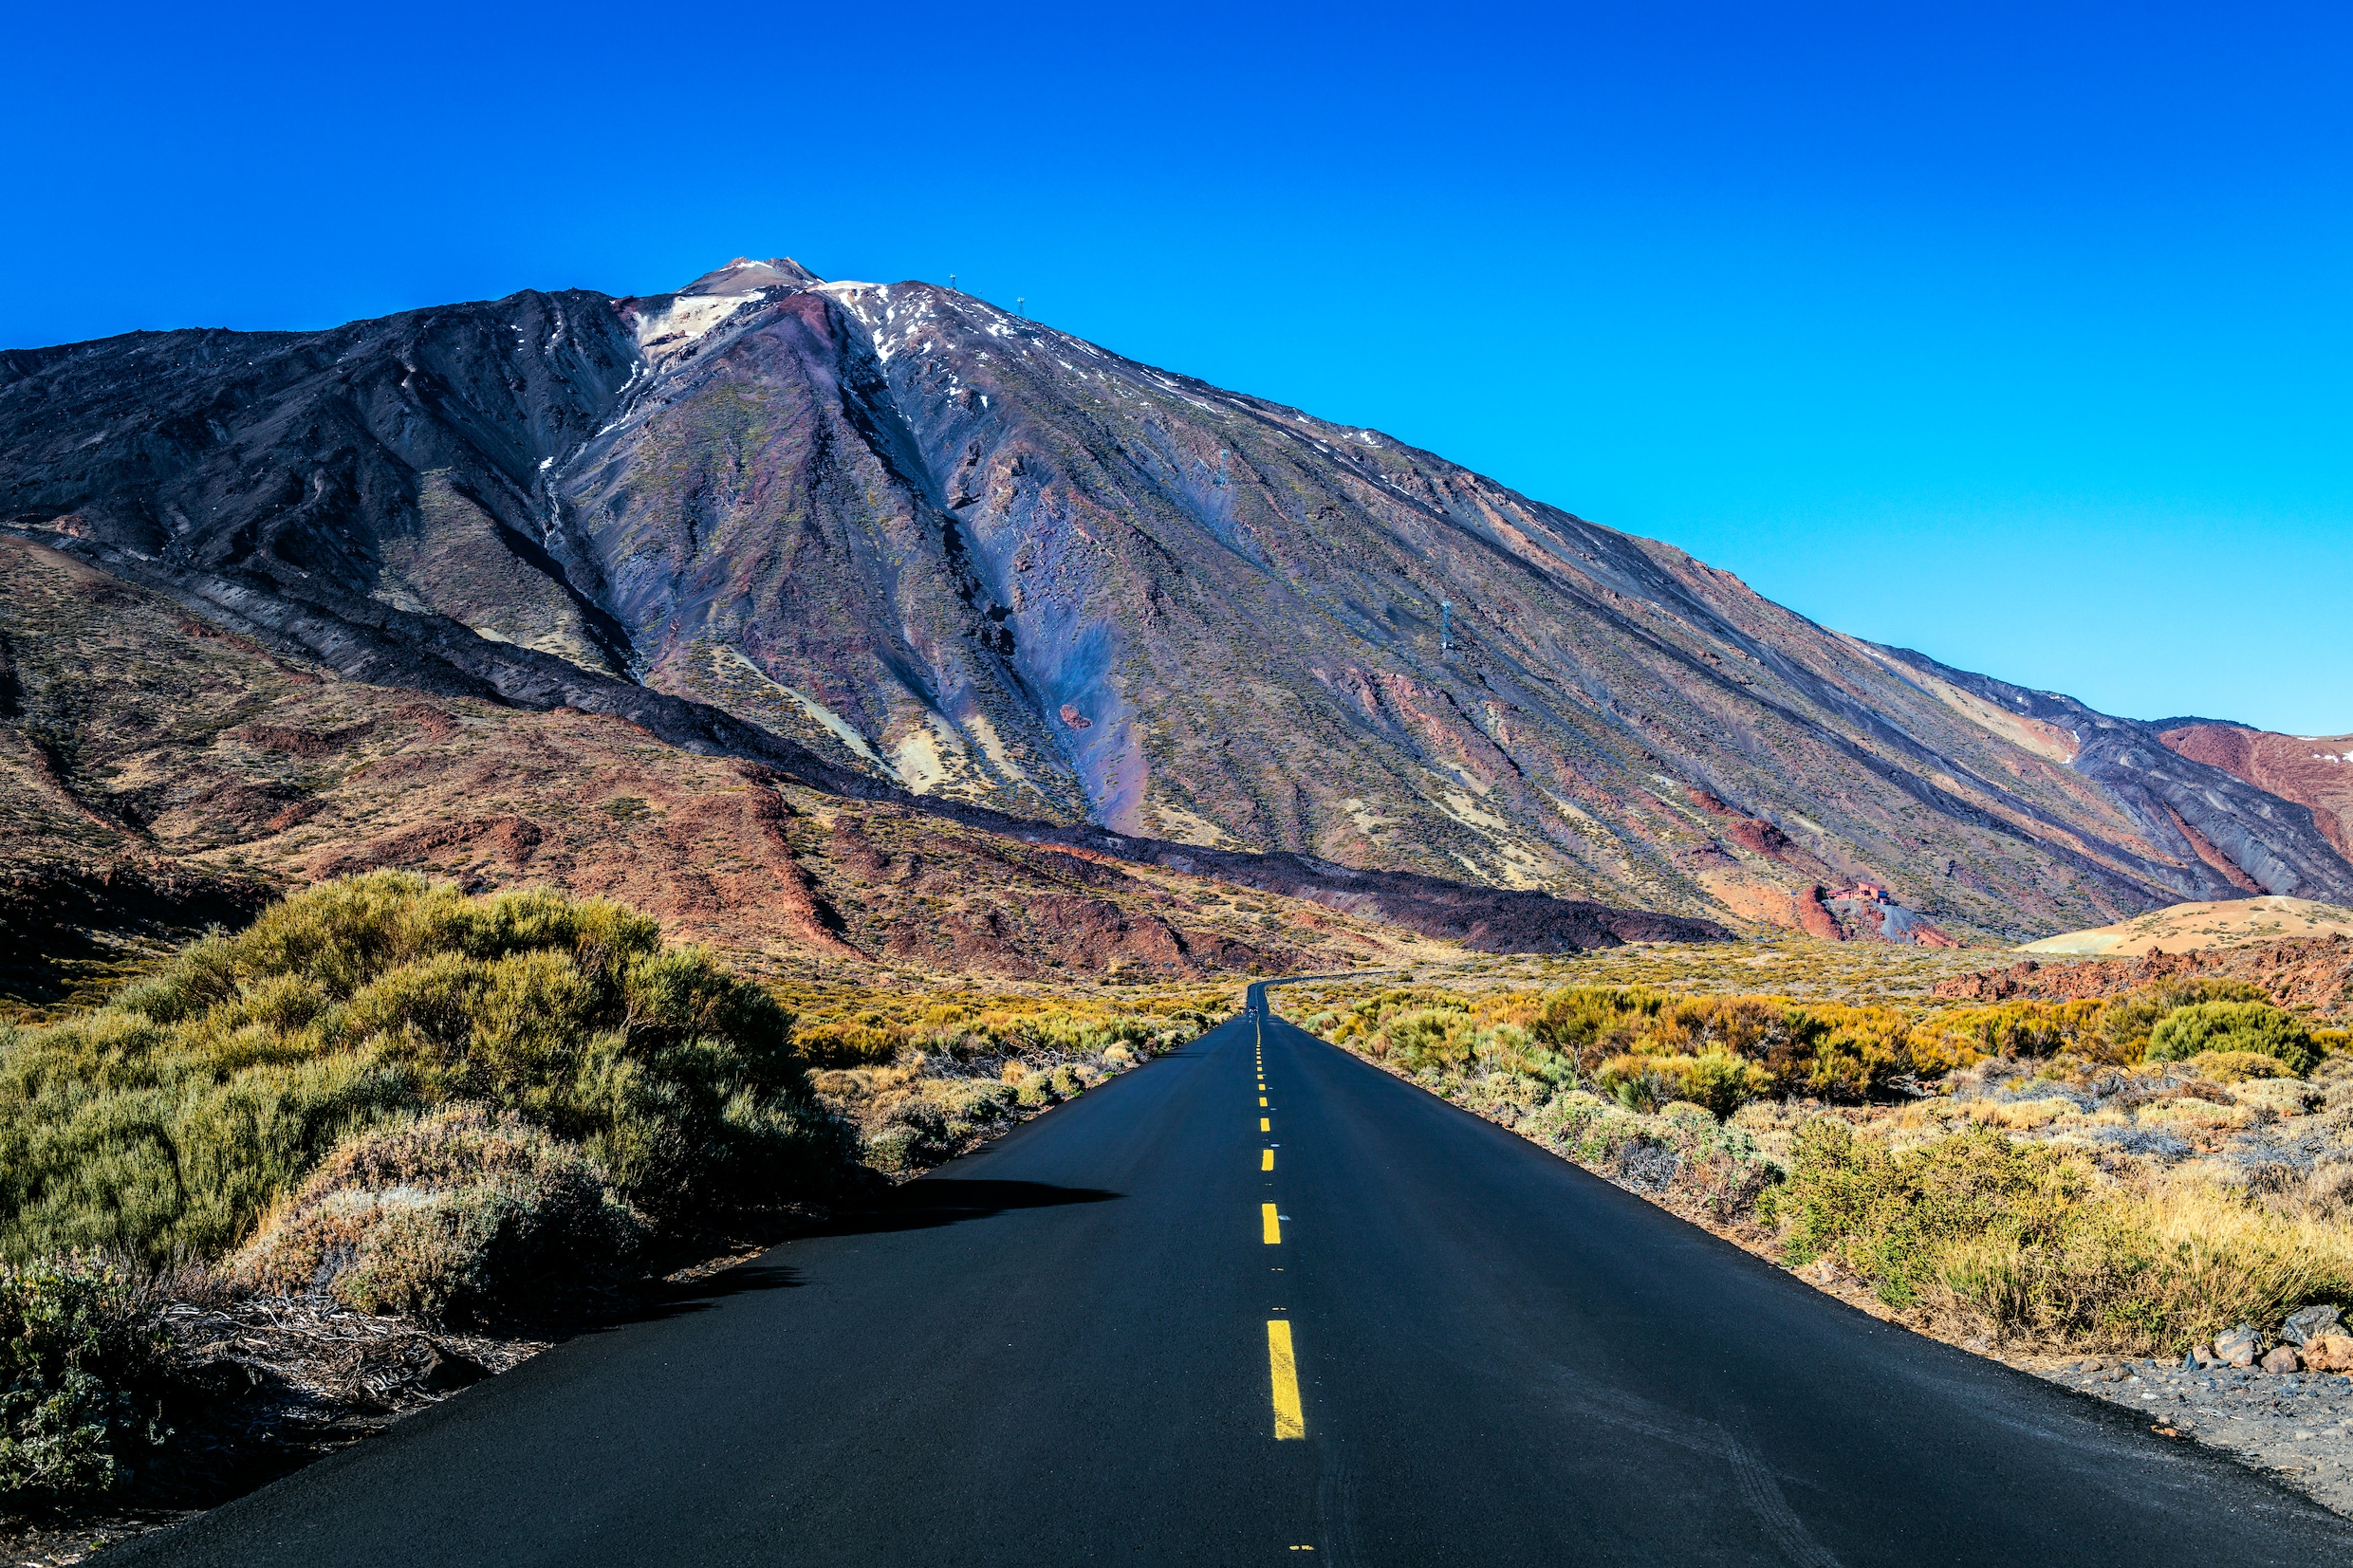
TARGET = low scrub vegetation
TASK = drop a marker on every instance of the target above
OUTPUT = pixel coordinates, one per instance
(411, 1100)
(451, 1217)
(392, 1096)
(2023, 1242)
(2132, 1174)
(2241, 1027)
(927, 1074)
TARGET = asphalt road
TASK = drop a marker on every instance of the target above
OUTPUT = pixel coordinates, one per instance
(1070, 1347)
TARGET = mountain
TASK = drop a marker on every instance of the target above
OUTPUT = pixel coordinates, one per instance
(893, 540)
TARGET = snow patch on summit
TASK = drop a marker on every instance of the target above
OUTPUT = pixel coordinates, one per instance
(688, 316)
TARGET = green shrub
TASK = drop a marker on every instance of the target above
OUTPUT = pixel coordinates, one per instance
(167, 1121)
(460, 1215)
(2237, 1067)
(1715, 1079)
(2126, 1022)
(917, 1133)
(2233, 1026)
(1827, 1050)
(77, 1351)
(1640, 1083)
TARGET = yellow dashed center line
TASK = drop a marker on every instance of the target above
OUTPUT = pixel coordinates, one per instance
(1273, 1224)
(1265, 1126)
(1289, 1421)
(1266, 1159)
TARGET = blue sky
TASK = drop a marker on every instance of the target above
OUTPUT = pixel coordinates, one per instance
(2018, 335)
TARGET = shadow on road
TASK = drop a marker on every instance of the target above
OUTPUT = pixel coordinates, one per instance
(937, 1201)
(920, 1205)
(671, 1301)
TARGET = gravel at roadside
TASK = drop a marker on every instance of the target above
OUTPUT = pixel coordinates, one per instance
(2298, 1425)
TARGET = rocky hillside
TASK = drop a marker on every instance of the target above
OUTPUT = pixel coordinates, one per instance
(2315, 772)
(159, 774)
(889, 538)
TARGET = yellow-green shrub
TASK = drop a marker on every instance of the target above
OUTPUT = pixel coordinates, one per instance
(2126, 1022)
(2017, 1030)
(1715, 1079)
(2237, 1067)
(168, 1120)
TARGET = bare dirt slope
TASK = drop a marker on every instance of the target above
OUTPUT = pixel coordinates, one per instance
(2188, 927)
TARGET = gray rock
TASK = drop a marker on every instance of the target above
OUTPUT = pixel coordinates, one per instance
(2238, 1347)
(2311, 1320)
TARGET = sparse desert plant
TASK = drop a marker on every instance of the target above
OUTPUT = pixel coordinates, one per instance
(1683, 1150)
(1640, 1083)
(2012, 1030)
(462, 1215)
(1889, 1216)
(2232, 1027)
(925, 1073)
(1715, 1079)
(1822, 1049)
(81, 1350)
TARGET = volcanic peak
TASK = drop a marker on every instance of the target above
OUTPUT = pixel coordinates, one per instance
(744, 274)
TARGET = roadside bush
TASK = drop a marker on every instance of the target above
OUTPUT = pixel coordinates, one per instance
(460, 1216)
(856, 1027)
(167, 1121)
(916, 1134)
(78, 1351)
(2233, 1026)
(2019, 1240)
(2013, 1030)
(1888, 1216)
(1684, 1151)
(1587, 1033)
